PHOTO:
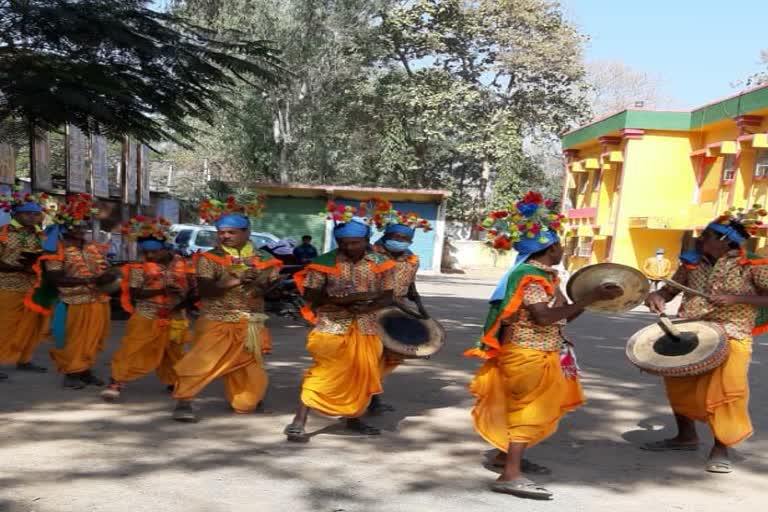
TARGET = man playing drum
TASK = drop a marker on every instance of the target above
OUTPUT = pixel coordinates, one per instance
(344, 287)
(399, 230)
(528, 381)
(736, 284)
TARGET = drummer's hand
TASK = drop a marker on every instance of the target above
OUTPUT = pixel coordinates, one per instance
(105, 278)
(656, 303)
(724, 300)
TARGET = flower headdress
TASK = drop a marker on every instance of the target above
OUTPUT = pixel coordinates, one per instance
(530, 219)
(384, 215)
(341, 213)
(213, 209)
(749, 218)
(141, 227)
(76, 209)
(17, 200)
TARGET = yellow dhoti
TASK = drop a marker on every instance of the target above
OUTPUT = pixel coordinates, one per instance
(21, 329)
(521, 396)
(218, 350)
(719, 398)
(85, 331)
(346, 372)
(147, 346)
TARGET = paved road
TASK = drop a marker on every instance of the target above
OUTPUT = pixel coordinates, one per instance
(66, 451)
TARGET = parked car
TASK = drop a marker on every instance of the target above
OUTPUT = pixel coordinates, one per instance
(190, 238)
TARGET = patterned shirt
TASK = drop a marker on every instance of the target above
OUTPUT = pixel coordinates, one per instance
(81, 262)
(524, 331)
(152, 276)
(236, 303)
(350, 277)
(729, 276)
(406, 267)
(13, 242)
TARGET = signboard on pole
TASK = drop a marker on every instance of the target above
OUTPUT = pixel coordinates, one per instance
(7, 164)
(76, 181)
(99, 170)
(144, 199)
(41, 161)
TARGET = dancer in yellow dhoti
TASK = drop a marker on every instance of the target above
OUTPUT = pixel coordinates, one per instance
(154, 292)
(229, 336)
(344, 288)
(737, 284)
(399, 230)
(529, 380)
(74, 268)
(20, 246)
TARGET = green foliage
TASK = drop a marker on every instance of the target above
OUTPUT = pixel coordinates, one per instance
(412, 94)
(118, 67)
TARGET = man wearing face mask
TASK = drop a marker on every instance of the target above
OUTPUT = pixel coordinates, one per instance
(344, 289)
(657, 268)
(399, 230)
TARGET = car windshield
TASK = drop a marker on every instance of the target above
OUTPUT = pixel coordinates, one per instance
(206, 238)
(260, 241)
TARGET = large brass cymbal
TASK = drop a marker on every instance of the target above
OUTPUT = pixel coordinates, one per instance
(632, 282)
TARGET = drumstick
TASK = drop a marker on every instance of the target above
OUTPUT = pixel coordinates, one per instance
(675, 284)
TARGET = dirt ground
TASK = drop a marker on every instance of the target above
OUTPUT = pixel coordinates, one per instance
(64, 451)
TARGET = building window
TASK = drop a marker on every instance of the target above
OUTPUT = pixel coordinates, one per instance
(596, 180)
(585, 247)
(729, 168)
(761, 164)
(583, 182)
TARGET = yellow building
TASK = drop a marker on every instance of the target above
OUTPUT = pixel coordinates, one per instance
(640, 180)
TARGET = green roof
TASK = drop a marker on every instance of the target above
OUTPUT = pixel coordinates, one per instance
(750, 101)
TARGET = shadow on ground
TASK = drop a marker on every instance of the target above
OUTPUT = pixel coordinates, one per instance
(62, 444)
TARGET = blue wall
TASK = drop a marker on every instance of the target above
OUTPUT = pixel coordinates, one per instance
(423, 243)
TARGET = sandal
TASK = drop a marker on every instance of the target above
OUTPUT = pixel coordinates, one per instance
(362, 427)
(522, 488)
(295, 433)
(668, 445)
(719, 465)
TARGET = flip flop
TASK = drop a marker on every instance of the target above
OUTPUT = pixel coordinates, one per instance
(668, 446)
(719, 465)
(296, 433)
(522, 488)
(364, 428)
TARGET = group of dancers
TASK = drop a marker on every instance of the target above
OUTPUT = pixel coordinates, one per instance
(52, 284)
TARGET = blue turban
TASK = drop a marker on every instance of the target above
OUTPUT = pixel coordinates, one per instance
(355, 228)
(690, 257)
(524, 247)
(152, 244)
(728, 232)
(28, 206)
(399, 228)
(233, 220)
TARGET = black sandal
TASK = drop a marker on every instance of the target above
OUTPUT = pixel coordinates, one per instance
(296, 433)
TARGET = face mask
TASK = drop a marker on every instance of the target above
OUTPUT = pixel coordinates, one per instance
(396, 245)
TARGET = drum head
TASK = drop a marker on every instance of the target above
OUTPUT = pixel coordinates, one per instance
(633, 283)
(709, 353)
(408, 335)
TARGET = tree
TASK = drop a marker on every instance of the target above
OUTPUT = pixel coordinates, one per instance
(118, 67)
(614, 86)
(760, 78)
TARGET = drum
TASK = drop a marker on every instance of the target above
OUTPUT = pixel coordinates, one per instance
(634, 285)
(407, 334)
(683, 348)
